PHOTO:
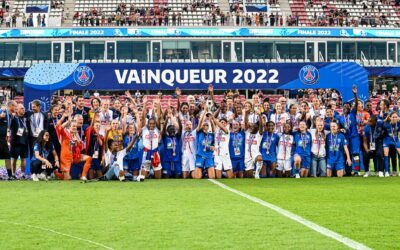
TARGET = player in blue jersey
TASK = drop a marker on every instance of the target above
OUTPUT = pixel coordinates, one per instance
(391, 127)
(268, 148)
(237, 143)
(205, 147)
(351, 130)
(172, 147)
(302, 153)
(131, 160)
(373, 145)
(336, 143)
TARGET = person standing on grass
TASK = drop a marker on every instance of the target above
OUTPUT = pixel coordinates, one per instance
(269, 146)
(171, 134)
(131, 160)
(391, 127)
(285, 151)
(188, 149)
(336, 144)
(318, 149)
(95, 148)
(302, 153)
(41, 167)
(236, 148)
(19, 139)
(252, 149)
(205, 141)
(222, 157)
(373, 146)
(71, 147)
(151, 140)
(351, 129)
(6, 117)
(37, 121)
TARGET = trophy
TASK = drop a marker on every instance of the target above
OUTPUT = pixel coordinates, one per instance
(209, 105)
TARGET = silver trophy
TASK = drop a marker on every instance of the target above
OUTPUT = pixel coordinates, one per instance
(209, 105)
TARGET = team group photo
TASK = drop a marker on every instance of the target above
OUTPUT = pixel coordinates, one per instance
(199, 124)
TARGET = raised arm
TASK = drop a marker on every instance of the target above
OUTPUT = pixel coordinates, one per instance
(220, 125)
(261, 123)
(201, 120)
(246, 120)
(178, 93)
(355, 97)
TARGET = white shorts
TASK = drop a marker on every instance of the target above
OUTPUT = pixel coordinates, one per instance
(249, 162)
(284, 165)
(222, 162)
(188, 162)
(146, 164)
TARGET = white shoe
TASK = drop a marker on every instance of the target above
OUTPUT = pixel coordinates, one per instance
(140, 178)
(256, 176)
(42, 177)
(387, 174)
(380, 174)
(297, 176)
(366, 174)
(121, 178)
(34, 177)
(83, 178)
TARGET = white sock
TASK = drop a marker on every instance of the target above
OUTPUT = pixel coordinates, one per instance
(258, 167)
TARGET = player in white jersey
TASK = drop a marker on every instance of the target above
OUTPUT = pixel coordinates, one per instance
(285, 151)
(188, 149)
(151, 158)
(279, 117)
(222, 157)
(252, 148)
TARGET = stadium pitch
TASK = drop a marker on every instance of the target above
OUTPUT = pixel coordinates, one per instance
(200, 214)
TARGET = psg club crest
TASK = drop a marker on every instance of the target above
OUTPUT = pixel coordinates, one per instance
(83, 75)
(309, 75)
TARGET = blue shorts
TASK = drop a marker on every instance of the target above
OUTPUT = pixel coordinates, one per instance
(131, 165)
(354, 145)
(305, 161)
(388, 141)
(96, 165)
(172, 168)
(336, 166)
(237, 165)
(204, 163)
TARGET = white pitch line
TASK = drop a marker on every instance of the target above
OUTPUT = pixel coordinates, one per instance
(322, 230)
(59, 233)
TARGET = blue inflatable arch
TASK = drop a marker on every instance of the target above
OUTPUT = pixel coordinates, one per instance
(42, 80)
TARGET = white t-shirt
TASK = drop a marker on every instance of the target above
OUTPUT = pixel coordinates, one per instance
(279, 120)
(228, 115)
(285, 147)
(118, 159)
(252, 147)
(317, 140)
(253, 118)
(150, 138)
(189, 142)
(221, 143)
(105, 119)
(319, 113)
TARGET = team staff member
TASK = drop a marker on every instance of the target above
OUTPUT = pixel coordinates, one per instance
(6, 116)
(41, 167)
(19, 139)
(373, 146)
(37, 121)
(53, 119)
(82, 110)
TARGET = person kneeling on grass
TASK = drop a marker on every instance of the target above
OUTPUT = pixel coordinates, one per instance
(71, 148)
(41, 167)
(114, 159)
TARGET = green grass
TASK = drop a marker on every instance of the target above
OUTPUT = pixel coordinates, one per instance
(191, 214)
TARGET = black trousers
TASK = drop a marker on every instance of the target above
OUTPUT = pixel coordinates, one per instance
(376, 156)
(36, 168)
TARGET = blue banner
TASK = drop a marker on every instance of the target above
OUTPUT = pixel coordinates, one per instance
(201, 32)
(42, 80)
(37, 9)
